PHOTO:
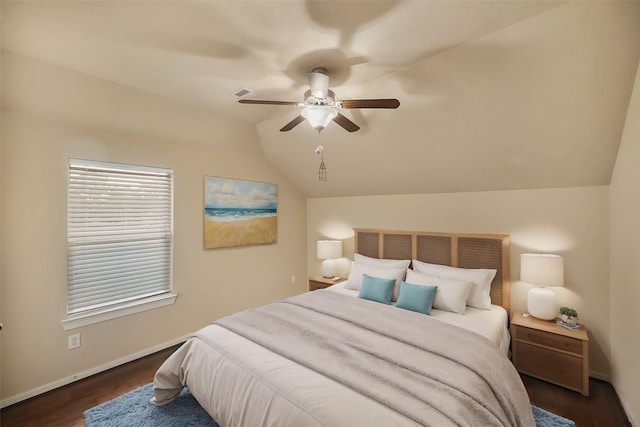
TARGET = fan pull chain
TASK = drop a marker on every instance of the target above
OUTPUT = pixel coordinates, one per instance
(322, 171)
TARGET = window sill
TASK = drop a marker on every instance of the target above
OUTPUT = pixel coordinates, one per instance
(89, 318)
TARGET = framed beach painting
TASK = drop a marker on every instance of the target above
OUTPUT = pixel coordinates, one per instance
(238, 213)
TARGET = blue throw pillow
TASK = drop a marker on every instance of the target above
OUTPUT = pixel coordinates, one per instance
(416, 297)
(376, 289)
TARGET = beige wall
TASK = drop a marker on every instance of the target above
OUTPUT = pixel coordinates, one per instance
(625, 265)
(573, 222)
(210, 283)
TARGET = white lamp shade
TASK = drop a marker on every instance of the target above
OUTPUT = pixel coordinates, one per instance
(542, 270)
(329, 249)
(319, 116)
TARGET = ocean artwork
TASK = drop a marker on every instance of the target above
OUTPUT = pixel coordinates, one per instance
(238, 212)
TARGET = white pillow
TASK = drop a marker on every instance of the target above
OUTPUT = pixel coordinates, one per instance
(357, 270)
(480, 296)
(386, 263)
(451, 294)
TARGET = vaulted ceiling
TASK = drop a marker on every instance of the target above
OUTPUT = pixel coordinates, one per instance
(494, 94)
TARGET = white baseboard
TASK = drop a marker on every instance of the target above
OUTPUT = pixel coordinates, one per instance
(625, 407)
(68, 380)
(600, 376)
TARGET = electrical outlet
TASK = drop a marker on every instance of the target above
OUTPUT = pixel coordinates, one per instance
(74, 341)
(293, 280)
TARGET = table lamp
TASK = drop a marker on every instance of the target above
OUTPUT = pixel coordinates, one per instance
(542, 270)
(328, 250)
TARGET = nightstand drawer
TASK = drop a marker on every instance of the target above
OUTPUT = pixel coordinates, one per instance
(559, 368)
(571, 345)
(323, 282)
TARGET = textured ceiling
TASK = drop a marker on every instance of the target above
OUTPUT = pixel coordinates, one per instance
(494, 95)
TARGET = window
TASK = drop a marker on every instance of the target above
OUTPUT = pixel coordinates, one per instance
(119, 250)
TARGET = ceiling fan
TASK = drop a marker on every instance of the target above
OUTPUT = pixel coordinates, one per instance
(320, 105)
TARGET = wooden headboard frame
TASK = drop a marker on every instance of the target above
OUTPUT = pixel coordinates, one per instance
(457, 250)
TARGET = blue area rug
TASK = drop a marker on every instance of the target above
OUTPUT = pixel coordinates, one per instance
(547, 419)
(135, 409)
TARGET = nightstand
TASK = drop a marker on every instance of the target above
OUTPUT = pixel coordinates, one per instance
(323, 282)
(546, 351)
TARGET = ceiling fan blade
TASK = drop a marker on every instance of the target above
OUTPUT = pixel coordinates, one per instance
(293, 123)
(258, 101)
(370, 103)
(347, 124)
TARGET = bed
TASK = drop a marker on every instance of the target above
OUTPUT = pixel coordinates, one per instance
(332, 358)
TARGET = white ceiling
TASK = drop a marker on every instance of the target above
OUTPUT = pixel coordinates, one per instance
(494, 95)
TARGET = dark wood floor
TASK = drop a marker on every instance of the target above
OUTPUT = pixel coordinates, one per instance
(601, 409)
(64, 407)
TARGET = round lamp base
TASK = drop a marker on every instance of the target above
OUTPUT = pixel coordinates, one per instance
(328, 268)
(541, 303)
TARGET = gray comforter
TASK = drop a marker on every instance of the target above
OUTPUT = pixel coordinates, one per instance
(433, 373)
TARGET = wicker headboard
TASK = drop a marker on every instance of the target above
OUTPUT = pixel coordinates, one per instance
(457, 250)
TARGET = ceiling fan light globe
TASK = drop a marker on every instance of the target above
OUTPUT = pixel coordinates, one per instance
(319, 116)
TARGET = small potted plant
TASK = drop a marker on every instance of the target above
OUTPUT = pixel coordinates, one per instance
(569, 315)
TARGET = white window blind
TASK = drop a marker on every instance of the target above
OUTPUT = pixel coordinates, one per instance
(119, 234)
